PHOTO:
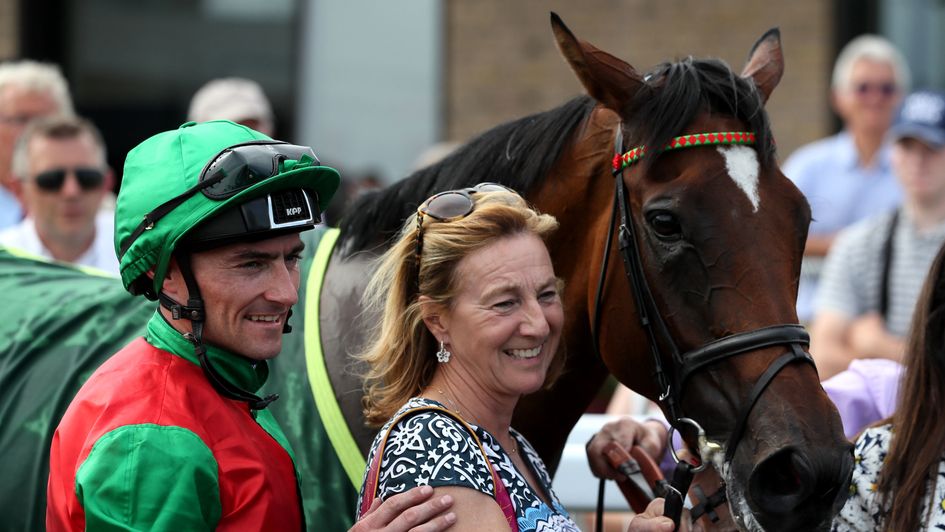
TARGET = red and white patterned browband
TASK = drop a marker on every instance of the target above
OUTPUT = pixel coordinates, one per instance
(686, 141)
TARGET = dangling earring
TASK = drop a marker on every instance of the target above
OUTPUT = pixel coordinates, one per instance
(443, 355)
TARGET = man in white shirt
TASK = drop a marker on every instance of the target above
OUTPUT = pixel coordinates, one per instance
(61, 177)
(28, 90)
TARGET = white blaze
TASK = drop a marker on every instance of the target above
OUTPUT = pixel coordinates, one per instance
(743, 167)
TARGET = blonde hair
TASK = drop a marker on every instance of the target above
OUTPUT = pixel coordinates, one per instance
(400, 356)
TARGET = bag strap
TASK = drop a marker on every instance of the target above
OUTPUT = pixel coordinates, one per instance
(886, 267)
(500, 493)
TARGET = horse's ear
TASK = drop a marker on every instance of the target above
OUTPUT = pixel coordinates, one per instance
(766, 63)
(606, 78)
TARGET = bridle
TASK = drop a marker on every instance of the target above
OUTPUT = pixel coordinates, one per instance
(672, 381)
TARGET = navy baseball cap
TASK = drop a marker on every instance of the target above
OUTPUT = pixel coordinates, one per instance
(922, 117)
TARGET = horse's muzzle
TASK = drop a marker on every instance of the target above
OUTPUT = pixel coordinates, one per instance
(794, 489)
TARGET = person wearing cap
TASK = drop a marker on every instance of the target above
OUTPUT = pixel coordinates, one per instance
(240, 100)
(874, 271)
(848, 177)
(169, 434)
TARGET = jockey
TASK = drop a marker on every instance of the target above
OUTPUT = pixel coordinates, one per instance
(169, 433)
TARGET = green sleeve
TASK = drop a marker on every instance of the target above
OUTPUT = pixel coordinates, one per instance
(149, 477)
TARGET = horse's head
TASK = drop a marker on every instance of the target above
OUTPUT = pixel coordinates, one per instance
(713, 237)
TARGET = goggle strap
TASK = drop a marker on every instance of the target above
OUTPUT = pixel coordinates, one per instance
(161, 211)
(287, 165)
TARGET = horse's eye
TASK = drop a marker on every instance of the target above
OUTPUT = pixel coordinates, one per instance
(665, 225)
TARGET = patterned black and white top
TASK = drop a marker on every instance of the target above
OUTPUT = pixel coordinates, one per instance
(433, 449)
(862, 510)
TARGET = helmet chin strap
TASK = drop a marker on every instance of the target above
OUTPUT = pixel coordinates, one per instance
(194, 311)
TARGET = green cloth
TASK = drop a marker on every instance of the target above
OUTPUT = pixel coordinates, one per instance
(58, 326)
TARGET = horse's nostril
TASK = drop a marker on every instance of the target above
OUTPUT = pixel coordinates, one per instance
(782, 481)
(785, 480)
(793, 490)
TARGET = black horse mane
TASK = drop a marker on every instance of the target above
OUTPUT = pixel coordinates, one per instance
(516, 154)
(519, 153)
(677, 92)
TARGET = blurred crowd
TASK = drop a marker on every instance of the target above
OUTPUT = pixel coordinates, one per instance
(876, 190)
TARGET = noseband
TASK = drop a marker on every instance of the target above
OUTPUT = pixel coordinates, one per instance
(672, 383)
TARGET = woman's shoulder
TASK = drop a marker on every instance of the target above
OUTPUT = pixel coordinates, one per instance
(426, 414)
(413, 407)
(423, 444)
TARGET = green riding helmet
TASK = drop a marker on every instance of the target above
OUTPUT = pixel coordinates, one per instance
(211, 184)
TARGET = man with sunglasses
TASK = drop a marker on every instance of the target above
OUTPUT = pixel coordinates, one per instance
(848, 177)
(28, 90)
(61, 177)
(169, 434)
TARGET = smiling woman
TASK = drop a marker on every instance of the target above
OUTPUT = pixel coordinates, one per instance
(472, 320)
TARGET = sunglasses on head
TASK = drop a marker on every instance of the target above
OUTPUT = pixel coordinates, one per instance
(451, 205)
(883, 89)
(52, 180)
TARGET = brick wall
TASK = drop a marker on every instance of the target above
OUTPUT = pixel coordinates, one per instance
(501, 61)
(9, 29)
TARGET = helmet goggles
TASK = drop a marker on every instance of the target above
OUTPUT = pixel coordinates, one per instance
(242, 166)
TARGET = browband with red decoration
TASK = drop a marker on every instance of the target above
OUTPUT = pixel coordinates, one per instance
(686, 141)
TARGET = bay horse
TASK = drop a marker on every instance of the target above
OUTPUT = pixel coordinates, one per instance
(718, 234)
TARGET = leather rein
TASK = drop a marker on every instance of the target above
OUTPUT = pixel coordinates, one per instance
(672, 381)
